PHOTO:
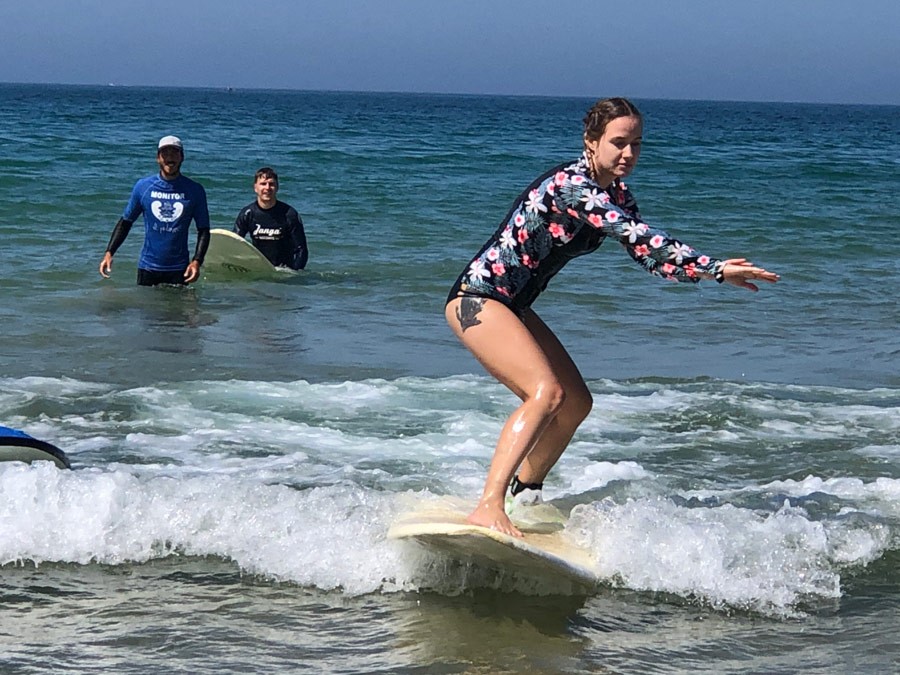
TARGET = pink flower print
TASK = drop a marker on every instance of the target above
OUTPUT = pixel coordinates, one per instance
(595, 220)
(577, 179)
(492, 254)
(551, 189)
(641, 250)
(498, 269)
(668, 268)
(558, 231)
(519, 220)
(572, 212)
(613, 216)
(522, 235)
(657, 241)
(528, 261)
(691, 271)
(560, 178)
(703, 260)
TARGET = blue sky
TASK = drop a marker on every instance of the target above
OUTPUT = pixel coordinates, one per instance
(761, 50)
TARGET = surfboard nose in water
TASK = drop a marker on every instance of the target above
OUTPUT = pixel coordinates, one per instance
(230, 255)
(17, 446)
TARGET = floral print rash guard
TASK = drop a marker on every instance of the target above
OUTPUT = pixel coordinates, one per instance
(562, 215)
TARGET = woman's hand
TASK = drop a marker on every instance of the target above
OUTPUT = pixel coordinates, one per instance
(741, 272)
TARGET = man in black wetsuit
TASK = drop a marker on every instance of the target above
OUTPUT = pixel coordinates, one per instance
(274, 227)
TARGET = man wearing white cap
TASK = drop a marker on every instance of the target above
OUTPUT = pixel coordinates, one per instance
(168, 201)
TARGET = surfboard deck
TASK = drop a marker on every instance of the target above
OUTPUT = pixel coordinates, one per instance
(232, 256)
(544, 551)
(17, 446)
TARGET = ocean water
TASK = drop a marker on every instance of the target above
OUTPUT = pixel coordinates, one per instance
(240, 448)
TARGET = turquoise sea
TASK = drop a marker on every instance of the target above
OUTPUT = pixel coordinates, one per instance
(240, 448)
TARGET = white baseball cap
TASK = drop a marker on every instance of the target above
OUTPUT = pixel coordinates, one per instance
(167, 141)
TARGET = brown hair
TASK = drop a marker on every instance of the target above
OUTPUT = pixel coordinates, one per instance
(265, 172)
(605, 111)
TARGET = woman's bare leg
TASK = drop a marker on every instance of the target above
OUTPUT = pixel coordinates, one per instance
(512, 353)
(578, 402)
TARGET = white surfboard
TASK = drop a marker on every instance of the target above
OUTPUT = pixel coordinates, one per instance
(229, 255)
(545, 551)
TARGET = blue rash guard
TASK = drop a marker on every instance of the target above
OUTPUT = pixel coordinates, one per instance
(168, 208)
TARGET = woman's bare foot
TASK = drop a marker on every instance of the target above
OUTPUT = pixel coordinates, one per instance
(493, 517)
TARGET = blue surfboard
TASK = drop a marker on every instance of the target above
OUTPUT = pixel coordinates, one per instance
(17, 446)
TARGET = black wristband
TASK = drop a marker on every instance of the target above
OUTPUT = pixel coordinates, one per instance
(719, 274)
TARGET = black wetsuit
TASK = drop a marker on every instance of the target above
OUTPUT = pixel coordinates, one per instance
(277, 232)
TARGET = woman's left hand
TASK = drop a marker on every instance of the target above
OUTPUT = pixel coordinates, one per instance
(741, 272)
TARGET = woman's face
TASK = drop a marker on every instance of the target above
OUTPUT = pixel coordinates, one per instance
(616, 152)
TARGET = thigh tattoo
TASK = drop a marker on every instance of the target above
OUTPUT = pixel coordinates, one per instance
(467, 312)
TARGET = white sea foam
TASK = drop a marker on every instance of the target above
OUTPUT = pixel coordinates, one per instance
(299, 481)
(584, 476)
(330, 537)
(54, 387)
(883, 493)
(724, 556)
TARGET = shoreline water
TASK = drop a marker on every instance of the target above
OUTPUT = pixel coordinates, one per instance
(240, 449)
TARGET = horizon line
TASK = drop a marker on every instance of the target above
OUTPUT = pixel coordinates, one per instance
(227, 88)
